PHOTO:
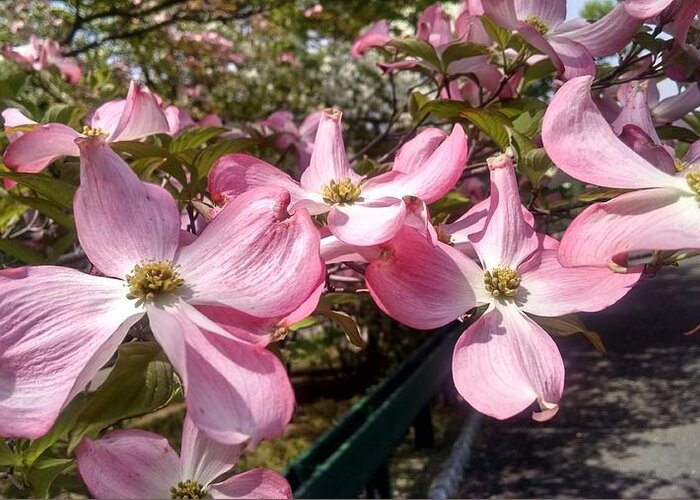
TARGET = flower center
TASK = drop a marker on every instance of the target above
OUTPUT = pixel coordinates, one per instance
(693, 180)
(94, 132)
(538, 24)
(188, 489)
(501, 281)
(153, 279)
(341, 193)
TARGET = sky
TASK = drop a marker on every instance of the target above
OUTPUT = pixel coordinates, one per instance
(573, 7)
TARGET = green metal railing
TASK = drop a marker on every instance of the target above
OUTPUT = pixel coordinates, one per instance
(353, 456)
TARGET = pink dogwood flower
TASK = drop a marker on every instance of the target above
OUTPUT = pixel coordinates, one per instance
(662, 211)
(360, 212)
(504, 361)
(571, 45)
(301, 138)
(135, 117)
(40, 54)
(131, 463)
(59, 326)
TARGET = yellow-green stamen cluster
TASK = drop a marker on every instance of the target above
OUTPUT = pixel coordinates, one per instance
(341, 193)
(153, 279)
(679, 164)
(693, 180)
(501, 281)
(94, 132)
(538, 24)
(188, 489)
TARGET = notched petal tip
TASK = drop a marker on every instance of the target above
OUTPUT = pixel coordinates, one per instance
(86, 141)
(501, 161)
(333, 114)
(547, 411)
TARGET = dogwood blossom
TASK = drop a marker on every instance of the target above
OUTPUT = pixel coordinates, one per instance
(135, 117)
(360, 212)
(58, 326)
(662, 211)
(131, 463)
(504, 361)
(43, 53)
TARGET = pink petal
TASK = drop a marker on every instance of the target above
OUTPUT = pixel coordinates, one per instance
(692, 156)
(638, 141)
(388, 68)
(35, 149)
(376, 36)
(575, 58)
(246, 328)
(70, 69)
(367, 223)
(334, 250)
(254, 257)
(552, 12)
(54, 325)
(255, 483)
(553, 290)
(420, 284)
(203, 459)
(234, 391)
(13, 117)
(581, 143)
(178, 119)
(309, 127)
(121, 221)
(502, 12)
(507, 239)
(504, 362)
(438, 171)
(434, 26)
(412, 155)
(107, 116)
(654, 219)
(607, 35)
(645, 9)
(128, 464)
(142, 116)
(636, 112)
(237, 173)
(328, 161)
(677, 106)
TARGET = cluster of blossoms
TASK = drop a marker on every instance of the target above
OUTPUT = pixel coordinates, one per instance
(215, 297)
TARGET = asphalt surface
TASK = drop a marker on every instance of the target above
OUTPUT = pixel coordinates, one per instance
(629, 424)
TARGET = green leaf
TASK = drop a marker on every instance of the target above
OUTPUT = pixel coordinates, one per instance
(44, 472)
(194, 137)
(599, 194)
(62, 113)
(7, 456)
(369, 167)
(11, 84)
(304, 323)
(49, 209)
(415, 102)
(347, 324)
(569, 324)
(490, 122)
(21, 252)
(669, 132)
(55, 190)
(141, 382)
(419, 49)
(206, 158)
(10, 211)
(534, 164)
(498, 34)
(338, 298)
(538, 71)
(653, 45)
(454, 201)
(442, 108)
(461, 50)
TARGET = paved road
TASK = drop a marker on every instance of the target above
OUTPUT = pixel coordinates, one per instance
(629, 424)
